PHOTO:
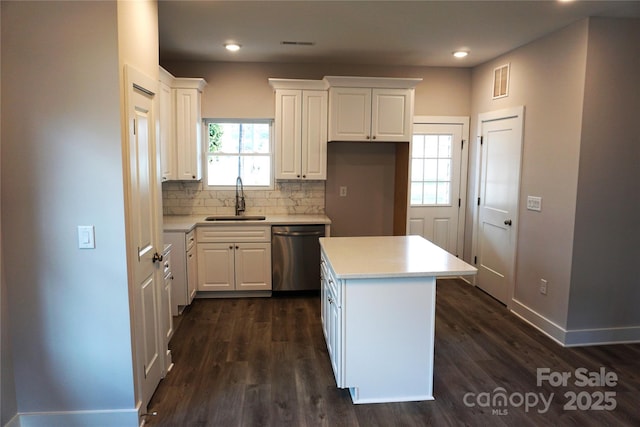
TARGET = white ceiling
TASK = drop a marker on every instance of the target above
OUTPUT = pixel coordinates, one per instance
(419, 33)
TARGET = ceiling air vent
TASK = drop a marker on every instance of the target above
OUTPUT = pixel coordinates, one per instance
(501, 81)
(294, 43)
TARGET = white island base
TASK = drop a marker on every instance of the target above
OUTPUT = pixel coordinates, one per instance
(389, 328)
(378, 314)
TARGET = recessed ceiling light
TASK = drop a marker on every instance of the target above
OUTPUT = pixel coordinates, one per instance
(233, 47)
(460, 53)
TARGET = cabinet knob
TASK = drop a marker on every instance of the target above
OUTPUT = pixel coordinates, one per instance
(231, 247)
(368, 137)
(297, 176)
(373, 137)
(304, 176)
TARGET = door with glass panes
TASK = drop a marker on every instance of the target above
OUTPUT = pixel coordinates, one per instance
(436, 199)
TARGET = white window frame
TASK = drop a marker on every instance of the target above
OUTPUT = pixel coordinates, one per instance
(205, 147)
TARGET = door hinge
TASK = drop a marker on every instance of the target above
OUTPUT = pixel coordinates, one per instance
(481, 140)
(134, 126)
(462, 145)
(459, 202)
(475, 259)
(144, 369)
(478, 201)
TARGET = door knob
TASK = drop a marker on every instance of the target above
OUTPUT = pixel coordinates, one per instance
(507, 222)
(156, 257)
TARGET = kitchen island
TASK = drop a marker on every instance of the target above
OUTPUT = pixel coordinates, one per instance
(378, 313)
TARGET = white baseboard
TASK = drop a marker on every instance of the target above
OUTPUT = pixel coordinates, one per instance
(122, 418)
(576, 337)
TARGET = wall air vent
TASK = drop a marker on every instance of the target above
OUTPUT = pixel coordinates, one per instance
(501, 81)
(295, 43)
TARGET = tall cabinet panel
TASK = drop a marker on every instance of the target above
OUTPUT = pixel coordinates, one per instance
(314, 134)
(300, 129)
(188, 134)
(181, 127)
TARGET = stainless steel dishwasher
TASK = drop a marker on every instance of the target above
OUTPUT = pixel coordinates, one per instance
(295, 256)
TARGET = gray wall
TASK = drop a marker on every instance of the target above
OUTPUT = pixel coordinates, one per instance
(581, 154)
(547, 77)
(62, 166)
(605, 279)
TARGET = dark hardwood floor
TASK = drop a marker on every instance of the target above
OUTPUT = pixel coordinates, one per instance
(263, 362)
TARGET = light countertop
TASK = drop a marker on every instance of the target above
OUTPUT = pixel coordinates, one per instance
(186, 223)
(390, 256)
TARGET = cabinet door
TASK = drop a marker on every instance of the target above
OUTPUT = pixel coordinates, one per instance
(391, 114)
(314, 134)
(253, 266)
(349, 114)
(288, 134)
(324, 302)
(188, 135)
(167, 137)
(166, 307)
(192, 274)
(215, 266)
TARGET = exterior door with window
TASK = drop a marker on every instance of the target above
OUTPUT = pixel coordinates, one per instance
(437, 170)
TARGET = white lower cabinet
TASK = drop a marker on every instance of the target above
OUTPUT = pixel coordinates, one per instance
(234, 258)
(331, 307)
(184, 268)
(166, 306)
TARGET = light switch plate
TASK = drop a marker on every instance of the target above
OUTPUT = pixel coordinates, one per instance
(534, 203)
(86, 237)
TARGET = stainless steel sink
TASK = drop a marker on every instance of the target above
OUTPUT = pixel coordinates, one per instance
(235, 218)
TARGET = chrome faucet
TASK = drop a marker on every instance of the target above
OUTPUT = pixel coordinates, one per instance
(239, 197)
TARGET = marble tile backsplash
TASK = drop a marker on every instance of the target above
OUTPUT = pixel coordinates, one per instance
(287, 197)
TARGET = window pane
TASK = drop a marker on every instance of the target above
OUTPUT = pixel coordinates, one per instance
(416, 193)
(417, 147)
(430, 169)
(431, 146)
(429, 193)
(256, 170)
(417, 169)
(444, 170)
(444, 146)
(255, 138)
(444, 197)
(222, 170)
(229, 138)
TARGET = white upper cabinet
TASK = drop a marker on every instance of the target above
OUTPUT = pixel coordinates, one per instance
(370, 109)
(181, 128)
(300, 129)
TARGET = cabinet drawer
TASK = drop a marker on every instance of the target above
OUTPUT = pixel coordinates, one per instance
(190, 239)
(166, 265)
(221, 233)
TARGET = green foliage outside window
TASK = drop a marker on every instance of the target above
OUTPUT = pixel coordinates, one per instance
(215, 137)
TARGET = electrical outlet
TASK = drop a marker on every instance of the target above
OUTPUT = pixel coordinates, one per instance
(343, 191)
(543, 286)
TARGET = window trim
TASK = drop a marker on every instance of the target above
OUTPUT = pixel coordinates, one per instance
(205, 157)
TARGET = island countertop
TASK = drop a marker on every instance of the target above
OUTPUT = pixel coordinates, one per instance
(390, 256)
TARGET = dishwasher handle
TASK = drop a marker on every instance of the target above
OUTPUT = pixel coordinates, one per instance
(298, 233)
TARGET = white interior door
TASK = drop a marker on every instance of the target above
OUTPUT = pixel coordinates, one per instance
(144, 232)
(499, 189)
(438, 178)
